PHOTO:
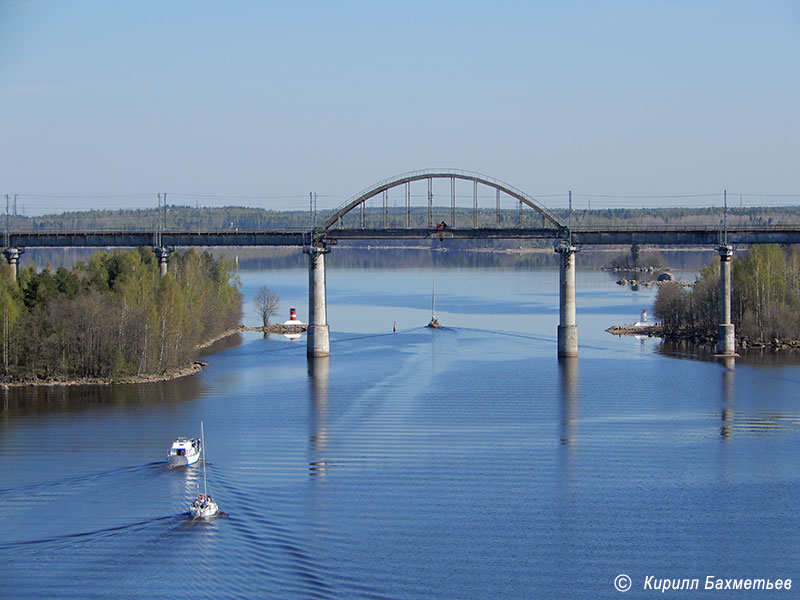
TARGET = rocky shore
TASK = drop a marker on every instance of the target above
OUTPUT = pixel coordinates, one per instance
(7, 381)
(700, 339)
(644, 276)
(279, 328)
(221, 336)
(648, 330)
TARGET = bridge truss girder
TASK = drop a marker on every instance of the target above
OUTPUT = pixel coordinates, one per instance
(448, 234)
(429, 175)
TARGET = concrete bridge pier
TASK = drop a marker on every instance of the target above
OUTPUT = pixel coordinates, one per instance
(726, 343)
(12, 256)
(567, 326)
(318, 333)
(162, 252)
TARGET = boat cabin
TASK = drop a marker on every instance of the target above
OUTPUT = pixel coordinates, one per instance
(183, 446)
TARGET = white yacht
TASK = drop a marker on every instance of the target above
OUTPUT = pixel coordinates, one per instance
(203, 506)
(184, 451)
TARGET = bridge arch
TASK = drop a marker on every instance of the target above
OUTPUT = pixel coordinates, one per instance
(422, 175)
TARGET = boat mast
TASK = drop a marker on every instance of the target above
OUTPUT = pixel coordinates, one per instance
(433, 296)
(203, 444)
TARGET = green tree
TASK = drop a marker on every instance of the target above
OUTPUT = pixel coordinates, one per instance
(760, 287)
(39, 289)
(635, 255)
(11, 308)
(67, 282)
(671, 306)
(704, 301)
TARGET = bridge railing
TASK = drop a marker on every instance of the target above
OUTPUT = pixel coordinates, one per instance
(777, 227)
(150, 230)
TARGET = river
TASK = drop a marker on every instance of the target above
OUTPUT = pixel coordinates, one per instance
(465, 462)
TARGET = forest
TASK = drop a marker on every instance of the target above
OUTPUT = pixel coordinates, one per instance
(765, 298)
(114, 316)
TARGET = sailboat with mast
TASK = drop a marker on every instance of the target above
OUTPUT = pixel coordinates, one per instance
(203, 506)
(434, 323)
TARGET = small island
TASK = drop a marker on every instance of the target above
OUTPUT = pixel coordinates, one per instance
(765, 302)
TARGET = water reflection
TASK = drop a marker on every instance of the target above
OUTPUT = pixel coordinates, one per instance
(319, 373)
(687, 349)
(45, 399)
(568, 368)
(186, 482)
(726, 431)
(706, 352)
(642, 339)
(749, 420)
(229, 341)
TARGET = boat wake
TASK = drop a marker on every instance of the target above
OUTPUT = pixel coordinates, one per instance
(70, 540)
(74, 480)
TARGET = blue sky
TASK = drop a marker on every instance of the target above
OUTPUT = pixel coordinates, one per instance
(105, 104)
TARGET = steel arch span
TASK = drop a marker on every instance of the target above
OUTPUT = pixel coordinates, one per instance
(423, 175)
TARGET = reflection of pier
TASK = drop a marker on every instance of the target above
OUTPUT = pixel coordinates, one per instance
(568, 367)
(726, 431)
(319, 374)
(568, 370)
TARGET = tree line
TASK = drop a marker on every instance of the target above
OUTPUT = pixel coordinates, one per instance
(176, 217)
(765, 297)
(114, 315)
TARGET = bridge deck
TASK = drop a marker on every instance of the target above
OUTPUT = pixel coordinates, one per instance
(690, 236)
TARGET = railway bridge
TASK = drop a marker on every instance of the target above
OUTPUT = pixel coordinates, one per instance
(529, 219)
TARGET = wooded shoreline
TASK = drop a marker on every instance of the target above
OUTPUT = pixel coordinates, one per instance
(196, 366)
(192, 368)
(115, 317)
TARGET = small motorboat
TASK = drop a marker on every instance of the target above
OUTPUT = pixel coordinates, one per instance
(184, 451)
(203, 506)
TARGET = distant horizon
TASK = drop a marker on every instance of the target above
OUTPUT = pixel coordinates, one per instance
(326, 204)
(461, 210)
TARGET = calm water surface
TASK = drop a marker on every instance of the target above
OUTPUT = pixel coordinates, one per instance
(466, 462)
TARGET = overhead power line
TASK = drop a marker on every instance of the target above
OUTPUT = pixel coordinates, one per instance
(236, 197)
(650, 197)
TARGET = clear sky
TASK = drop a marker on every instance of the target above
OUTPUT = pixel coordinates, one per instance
(104, 103)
